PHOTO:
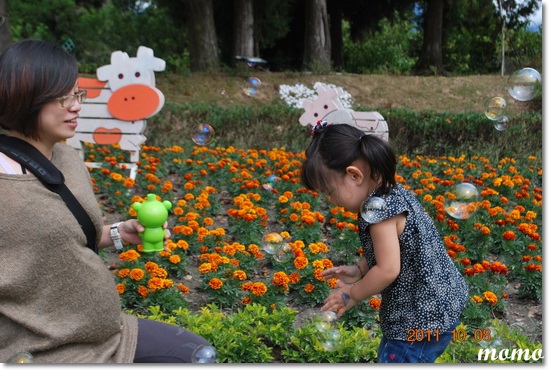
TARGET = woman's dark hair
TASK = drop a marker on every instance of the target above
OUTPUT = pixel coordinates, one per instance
(32, 73)
(336, 146)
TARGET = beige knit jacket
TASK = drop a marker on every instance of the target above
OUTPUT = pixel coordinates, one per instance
(58, 301)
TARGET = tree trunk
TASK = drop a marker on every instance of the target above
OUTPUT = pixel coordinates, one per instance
(334, 9)
(5, 33)
(431, 56)
(243, 28)
(203, 43)
(317, 37)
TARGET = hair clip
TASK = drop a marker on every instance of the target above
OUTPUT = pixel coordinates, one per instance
(321, 124)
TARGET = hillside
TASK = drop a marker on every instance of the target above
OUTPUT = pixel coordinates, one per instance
(452, 94)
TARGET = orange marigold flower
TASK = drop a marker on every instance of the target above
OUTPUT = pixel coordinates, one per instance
(120, 288)
(181, 287)
(485, 231)
(129, 255)
(477, 299)
(205, 268)
(259, 288)
(309, 288)
(246, 300)
(123, 272)
(332, 283)
(280, 278)
(155, 283)
(375, 303)
(294, 277)
(490, 297)
(469, 271)
(240, 275)
(174, 259)
(136, 274)
(466, 262)
(509, 235)
(533, 267)
(142, 291)
(215, 283)
(301, 262)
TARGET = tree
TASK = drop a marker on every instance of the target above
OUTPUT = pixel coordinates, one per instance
(5, 33)
(203, 42)
(334, 8)
(430, 60)
(243, 28)
(317, 37)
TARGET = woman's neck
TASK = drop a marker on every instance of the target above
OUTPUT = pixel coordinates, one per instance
(44, 148)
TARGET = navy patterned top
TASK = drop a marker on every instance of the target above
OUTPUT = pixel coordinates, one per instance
(429, 293)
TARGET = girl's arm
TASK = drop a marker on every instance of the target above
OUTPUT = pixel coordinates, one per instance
(385, 239)
(388, 265)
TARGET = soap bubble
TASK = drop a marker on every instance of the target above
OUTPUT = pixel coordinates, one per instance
(285, 254)
(270, 185)
(522, 84)
(329, 316)
(462, 202)
(330, 340)
(203, 134)
(252, 86)
(21, 357)
(501, 124)
(273, 243)
(204, 354)
(495, 108)
(374, 210)
(324, 321)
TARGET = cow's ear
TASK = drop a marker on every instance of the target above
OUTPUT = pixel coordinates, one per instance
(104, 72)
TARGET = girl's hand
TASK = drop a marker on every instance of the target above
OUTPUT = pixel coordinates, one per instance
(339, 300)
(347, 273)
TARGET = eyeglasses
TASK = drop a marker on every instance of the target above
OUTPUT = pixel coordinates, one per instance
(68, 101)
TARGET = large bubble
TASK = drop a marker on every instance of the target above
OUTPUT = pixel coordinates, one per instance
(495, 108)
(501, 124)
(252, 86)
(522, 84)
(204, 354)
(331, 340)
(273, 243)
(463, 201)
(285, 254)
(374, 210)
(21, 357)
(203, 134)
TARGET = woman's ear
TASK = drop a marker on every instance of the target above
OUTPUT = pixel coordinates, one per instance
(356, 175)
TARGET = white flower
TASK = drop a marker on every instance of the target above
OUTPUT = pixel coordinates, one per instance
(294, 95)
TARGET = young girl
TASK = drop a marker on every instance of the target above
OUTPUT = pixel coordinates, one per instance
(404, 257)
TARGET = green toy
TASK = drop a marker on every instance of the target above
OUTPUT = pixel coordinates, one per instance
(152, 214)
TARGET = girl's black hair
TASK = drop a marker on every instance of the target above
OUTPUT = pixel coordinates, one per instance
(336, 146)
(32, 73)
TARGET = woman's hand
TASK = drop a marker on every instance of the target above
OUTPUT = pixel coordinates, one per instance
(129, 231)
(347, 273)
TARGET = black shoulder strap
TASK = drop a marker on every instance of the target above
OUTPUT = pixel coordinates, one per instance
(51, 177)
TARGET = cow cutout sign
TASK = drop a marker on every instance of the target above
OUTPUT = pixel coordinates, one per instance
(328, 107)
(118, 103)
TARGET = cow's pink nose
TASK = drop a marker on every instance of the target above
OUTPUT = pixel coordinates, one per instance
(134, 102)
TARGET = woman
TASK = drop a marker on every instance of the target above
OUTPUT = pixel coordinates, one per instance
(58, 300)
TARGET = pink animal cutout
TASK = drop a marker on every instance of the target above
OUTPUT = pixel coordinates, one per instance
(327, 106)
(119, 101)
